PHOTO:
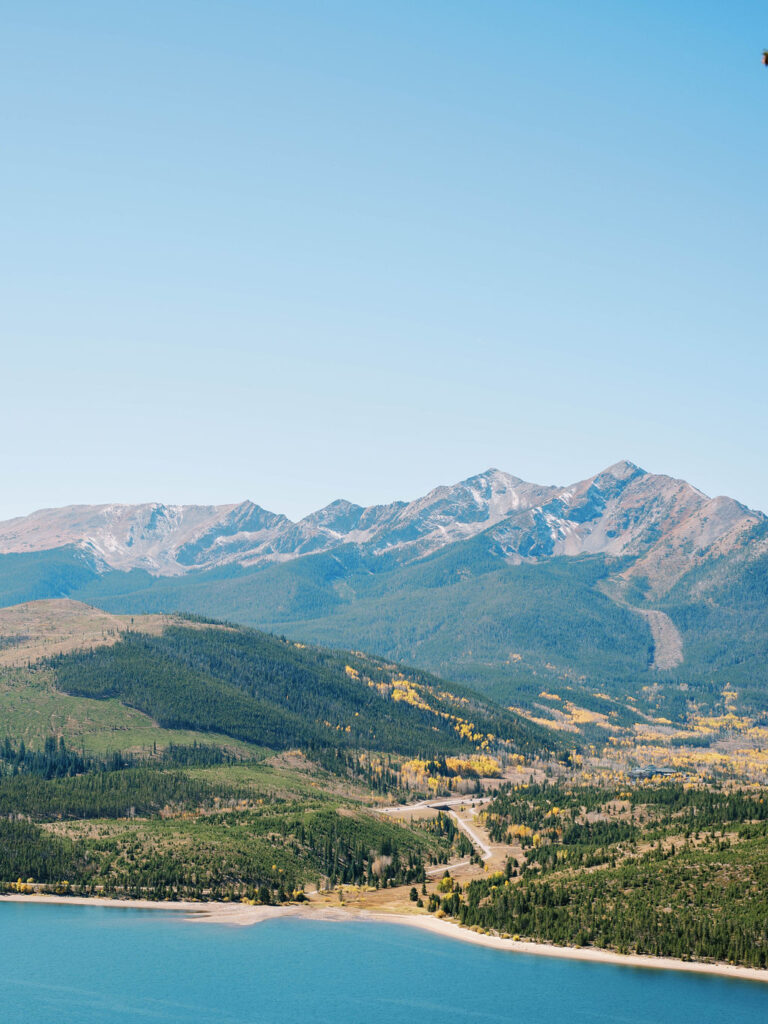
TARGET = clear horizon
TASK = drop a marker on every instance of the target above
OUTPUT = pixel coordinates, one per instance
(409, 498)
(295, 254)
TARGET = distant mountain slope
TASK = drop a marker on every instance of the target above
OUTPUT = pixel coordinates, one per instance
(161, 538)
(615, 583)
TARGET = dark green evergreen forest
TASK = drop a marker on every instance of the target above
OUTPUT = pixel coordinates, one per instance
(269, 691)
(663, 870)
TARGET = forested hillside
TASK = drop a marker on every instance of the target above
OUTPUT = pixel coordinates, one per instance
(462, 613)
(721, 609)
(163, 829)
(668, 870)
(276, 693)
(506, 630)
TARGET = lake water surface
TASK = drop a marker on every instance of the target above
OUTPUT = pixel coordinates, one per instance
(91, 965)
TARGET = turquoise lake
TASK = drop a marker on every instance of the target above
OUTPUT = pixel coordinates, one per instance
(91, 965)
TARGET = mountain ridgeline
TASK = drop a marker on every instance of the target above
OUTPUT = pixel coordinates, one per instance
(614, 584)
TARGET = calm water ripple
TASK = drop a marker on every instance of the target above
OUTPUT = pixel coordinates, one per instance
(91, 965)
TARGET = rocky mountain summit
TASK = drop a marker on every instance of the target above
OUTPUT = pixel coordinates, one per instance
(662, 524)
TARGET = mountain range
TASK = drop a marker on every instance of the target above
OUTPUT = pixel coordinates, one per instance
(621, 579)
(661, 522)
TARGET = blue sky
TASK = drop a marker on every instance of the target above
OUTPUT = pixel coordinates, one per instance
(295, 251)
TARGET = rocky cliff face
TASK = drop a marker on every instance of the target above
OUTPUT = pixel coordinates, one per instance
(663, 525)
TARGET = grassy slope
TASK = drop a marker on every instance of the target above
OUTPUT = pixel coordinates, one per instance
(32, 708)
(31, 705)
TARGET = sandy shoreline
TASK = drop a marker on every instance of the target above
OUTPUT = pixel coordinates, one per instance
(242, 914)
